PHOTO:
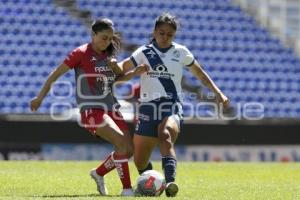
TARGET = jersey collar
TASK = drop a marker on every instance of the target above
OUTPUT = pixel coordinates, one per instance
(101, 55)
(163, 50)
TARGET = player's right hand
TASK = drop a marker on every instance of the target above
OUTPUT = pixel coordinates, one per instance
(35, 104)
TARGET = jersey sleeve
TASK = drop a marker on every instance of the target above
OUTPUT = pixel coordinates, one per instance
(137, 57)
(187, 58)
(73, 59)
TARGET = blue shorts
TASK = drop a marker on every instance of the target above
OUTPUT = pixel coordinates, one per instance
(152, 113)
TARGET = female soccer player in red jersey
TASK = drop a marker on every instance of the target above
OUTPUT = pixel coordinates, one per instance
(160, 111)
(95, 75)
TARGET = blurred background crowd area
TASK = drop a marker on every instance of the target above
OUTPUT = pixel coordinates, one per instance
(243, 52)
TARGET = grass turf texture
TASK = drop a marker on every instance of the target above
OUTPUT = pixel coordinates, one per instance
(71, 180)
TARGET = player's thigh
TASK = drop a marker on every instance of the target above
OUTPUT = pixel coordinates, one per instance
(143, 147)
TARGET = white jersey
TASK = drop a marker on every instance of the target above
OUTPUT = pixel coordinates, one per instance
(165, 74)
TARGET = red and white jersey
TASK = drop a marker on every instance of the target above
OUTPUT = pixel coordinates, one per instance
(94, 78)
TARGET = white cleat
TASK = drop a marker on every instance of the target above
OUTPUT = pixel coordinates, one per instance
(99, 181)
(127, 192)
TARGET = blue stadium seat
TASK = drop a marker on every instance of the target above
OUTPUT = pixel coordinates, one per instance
(240, 56)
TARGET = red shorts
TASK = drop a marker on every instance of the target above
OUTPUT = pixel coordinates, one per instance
(92, 118)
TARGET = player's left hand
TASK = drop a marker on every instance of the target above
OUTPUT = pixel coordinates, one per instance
(112, 61)
(114, 66)
(35, 103)
(223, 99)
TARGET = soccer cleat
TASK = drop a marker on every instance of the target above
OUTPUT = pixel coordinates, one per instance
(127, 192)
(99, 181)
(171, 189)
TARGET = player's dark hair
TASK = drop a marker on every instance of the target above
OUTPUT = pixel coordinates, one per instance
(165, 18)
(105, 24)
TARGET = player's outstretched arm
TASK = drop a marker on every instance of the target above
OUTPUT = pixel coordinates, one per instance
(54, 75)
(197, 70)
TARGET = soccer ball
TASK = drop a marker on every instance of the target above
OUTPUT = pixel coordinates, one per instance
(150, 183)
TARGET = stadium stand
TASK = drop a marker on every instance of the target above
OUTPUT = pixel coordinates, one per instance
(35, 37)
(243, 58)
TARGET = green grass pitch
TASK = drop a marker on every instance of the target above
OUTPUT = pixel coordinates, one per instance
(70, 180)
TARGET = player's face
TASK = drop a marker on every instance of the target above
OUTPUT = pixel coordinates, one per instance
(101, 40)
(164, 35)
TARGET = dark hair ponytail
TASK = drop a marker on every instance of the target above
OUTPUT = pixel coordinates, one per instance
(105, 24)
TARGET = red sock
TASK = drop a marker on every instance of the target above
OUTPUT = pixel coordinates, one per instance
(121, 163)
(106, 166)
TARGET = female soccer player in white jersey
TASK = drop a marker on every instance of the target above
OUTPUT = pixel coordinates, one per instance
(160, 112)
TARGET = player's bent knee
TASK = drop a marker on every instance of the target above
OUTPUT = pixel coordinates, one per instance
(172, 130)
(165, 142)
(121, 146)
(164, 135)
(124, 147)
(168, 134)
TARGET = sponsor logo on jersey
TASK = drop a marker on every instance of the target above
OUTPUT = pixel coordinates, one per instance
(160, 68)
(176, 53)
(160, 71)
(101, 66)
(175, 60)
